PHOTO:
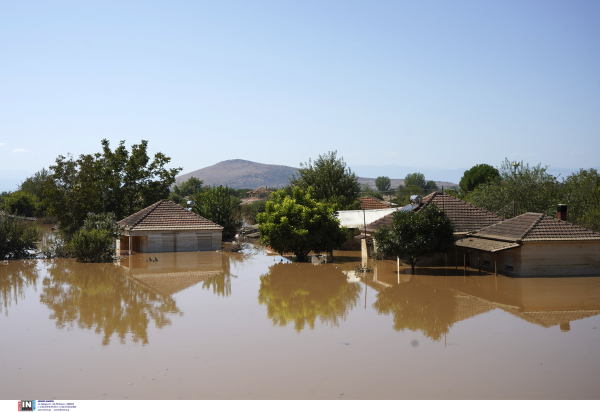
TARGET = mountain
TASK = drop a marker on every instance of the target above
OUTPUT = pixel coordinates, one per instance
(243, 174)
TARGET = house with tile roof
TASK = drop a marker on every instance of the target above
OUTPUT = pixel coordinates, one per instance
(260, 193)
(465, 217)
(370, 203)
(533, 245)
(167, 227)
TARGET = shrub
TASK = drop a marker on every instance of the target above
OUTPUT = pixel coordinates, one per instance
(16, 238)
(94, 241)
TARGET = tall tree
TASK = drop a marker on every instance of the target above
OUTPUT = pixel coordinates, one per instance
(299, 224)
(516, 191)
(383, 183)
(414, 236)
(415, 179)
(116, 181)
(477, 175)
(331, 181)
(217, 204)
(581, 193)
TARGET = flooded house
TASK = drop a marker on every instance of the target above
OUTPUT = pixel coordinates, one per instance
(532, 245)
(465, 217)
(167, 227)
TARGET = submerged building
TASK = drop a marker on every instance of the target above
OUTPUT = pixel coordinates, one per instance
(533, 245)
(167, 227)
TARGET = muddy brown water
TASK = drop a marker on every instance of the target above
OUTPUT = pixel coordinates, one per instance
(211, 325)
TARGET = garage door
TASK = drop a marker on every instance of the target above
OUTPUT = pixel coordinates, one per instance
(168, 243)
(204, 243)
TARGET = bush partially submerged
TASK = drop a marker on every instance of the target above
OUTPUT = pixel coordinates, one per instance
(94, 241)
(16, 238)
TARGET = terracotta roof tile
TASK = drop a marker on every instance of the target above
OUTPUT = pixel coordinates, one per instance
(166, 215)
(530, 227)
(465, 217)
(370, 202)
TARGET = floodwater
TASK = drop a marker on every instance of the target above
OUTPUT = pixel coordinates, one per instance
(211, 325)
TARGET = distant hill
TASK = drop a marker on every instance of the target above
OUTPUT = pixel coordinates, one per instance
(241, 174)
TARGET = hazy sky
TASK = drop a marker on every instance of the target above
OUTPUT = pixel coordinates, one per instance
(443, 84)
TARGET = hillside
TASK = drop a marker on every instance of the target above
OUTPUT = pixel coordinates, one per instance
(241, 174)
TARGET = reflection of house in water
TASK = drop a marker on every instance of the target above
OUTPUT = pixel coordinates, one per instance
(173, 272)
(545, 302)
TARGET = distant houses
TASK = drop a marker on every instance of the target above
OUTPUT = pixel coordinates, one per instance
(252, 196)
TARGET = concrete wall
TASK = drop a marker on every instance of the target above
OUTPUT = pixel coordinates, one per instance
(560, 259)
(172, 241)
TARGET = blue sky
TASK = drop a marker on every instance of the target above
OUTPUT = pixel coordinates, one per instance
(427, 84)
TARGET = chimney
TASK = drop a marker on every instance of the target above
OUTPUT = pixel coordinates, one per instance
(561, 212)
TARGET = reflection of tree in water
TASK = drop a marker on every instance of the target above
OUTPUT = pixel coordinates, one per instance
(300, 293)
(99, 296)
(416, 306)
(15, 278)
(221, 284)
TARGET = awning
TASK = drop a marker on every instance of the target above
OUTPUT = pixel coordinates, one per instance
(485, 245)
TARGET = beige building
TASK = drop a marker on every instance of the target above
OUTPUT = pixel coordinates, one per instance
(533, 245)
(167, 227)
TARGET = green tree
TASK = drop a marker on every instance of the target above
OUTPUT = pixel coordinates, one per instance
(477, 175)
(414, 236)
(581, 193)
(189, 187)
(383, 183)
(216, 204)
(119, 182)
(34, 186)
(366, 190)
(415, 179)
(292, 293)
(251, 210)
(332, 182)
(16, 238)
(94, 241)
(526, 189)
(21, 203)
(299, 224)
(403, 193)
(430, 186)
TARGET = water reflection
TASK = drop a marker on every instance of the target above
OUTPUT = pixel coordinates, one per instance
(100, 297)
(301, 293)
(16, 277)
(418, 307)
(432, 302)
(173, 272)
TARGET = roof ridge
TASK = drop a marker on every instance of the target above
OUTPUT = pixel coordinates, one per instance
(532, 226)
(143, 213)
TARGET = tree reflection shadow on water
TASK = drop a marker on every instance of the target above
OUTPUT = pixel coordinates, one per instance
(301, 293)
(100, 297)
(418, 307)
(221, 284)
(15, 278)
